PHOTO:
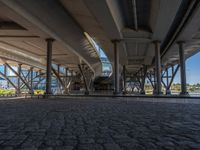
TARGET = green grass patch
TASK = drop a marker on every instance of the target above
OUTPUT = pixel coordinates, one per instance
(7, 92)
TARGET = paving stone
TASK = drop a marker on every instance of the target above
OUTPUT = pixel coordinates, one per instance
(104, 139)
(64, 148)
(112, 146)
(70, 124)
(90, 147)
(7, 148)
(32, 142)
(132, 146)
(122, 138)
(67, 137)
(1, 141)
(52, 142)
(86, 140)
(28, 148)
(16, 141)
(46, 148)
(7, 136)
(70, 142)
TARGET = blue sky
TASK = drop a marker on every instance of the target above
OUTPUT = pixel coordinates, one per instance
(192, 70)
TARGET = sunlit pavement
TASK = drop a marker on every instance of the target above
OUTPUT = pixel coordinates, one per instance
(90, 124)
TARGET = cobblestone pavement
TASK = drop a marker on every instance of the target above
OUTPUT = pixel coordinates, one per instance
(68, 124)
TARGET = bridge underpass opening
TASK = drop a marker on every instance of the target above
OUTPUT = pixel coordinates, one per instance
(103, 82)
(99, 75)
(136, 60)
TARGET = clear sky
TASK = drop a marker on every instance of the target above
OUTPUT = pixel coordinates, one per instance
(192, 70)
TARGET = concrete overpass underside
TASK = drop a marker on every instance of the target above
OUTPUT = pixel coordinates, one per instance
(142, 39)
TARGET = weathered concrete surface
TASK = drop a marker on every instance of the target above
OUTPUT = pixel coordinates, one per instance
(89, 124)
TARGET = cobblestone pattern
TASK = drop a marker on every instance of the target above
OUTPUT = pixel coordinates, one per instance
(69, 124)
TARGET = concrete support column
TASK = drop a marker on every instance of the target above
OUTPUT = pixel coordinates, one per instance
(84, 80)
(182, 68)
(116, 67)
(157, 68)
(167, 76)
(48, 65)
(18, 79)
